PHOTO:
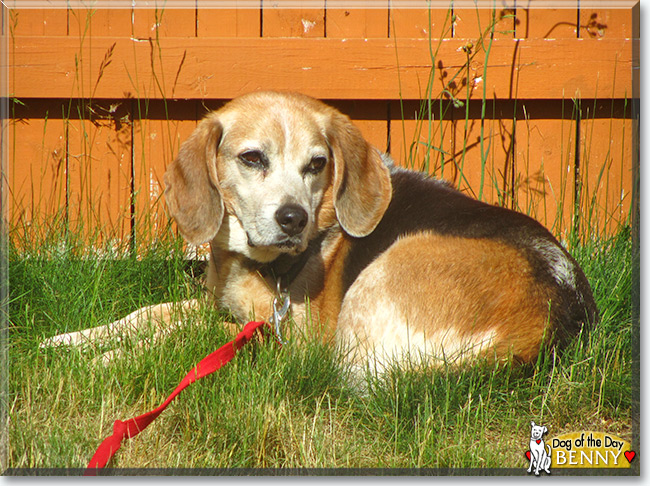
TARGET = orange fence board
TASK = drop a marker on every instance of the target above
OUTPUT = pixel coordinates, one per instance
(358, 23)
(420, 23)
(325, 68)
(22, 21)
(228, 22)
(472, 23)
(599, 23)
(161, 22)
(157, 136)
(545, 165)
(99, 171)
(370, 117)
(100, 22)
(415, 142)
(145, 75)
(547, 23)
(466, 148)
(37, 165)
(606, 181)
(293, 22)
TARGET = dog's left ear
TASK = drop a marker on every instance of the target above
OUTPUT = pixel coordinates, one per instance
(362, 187)
(192, 186)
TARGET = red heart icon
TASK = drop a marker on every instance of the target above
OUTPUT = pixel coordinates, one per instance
(538, 440)
(629, 455)
(528, 455)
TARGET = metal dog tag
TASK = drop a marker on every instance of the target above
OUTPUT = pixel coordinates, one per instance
(281, 305)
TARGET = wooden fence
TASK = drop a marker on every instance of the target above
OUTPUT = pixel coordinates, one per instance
(523, 106)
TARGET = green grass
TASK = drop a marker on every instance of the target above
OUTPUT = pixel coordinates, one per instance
(292, 406)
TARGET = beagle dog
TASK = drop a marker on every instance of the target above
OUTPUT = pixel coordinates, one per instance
(393, 263)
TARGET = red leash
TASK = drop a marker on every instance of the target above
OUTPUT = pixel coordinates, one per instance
(132, 427)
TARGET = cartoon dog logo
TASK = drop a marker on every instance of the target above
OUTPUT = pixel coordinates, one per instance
(539, 453)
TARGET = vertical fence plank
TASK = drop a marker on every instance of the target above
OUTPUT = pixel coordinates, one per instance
(546, 133)
(96, 22)
(99, 135)
(483, 142)
(79, 28)
(598, 23)
(109, 21)
(370, 117)
(164, 22)
(228, 22)
(421, 139)
(533, 21)
(84, 25)
(483, 151)
(605, 178)
(293, 22)
(474, 23)
(36, 168)
(37, 21)
(159, 130)
(36, 142)
(99, 168)
(545, 163)
(420, 23)
(358, 23)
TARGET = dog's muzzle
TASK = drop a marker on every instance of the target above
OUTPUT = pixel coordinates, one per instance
(291, 220)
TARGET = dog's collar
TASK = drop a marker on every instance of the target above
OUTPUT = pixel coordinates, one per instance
(286, 268)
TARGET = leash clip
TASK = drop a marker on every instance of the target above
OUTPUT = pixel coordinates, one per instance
(281, 304)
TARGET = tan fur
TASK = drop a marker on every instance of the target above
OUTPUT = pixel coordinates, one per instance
(192, 189)
(164, 318)
(439, 295)
(470, 295)
(248, 295)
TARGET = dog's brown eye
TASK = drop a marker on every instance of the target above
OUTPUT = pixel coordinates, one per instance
(254, 159)
(316, 165)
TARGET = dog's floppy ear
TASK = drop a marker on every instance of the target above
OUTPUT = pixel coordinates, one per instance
(192, 186)
(362, 187)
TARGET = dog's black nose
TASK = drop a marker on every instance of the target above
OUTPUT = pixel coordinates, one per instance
(291, 218)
